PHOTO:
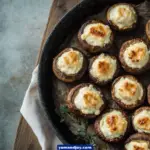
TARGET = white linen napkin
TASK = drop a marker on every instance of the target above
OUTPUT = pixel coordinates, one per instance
(34, 114)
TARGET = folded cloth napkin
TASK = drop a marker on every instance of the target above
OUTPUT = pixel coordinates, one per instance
(34, 114)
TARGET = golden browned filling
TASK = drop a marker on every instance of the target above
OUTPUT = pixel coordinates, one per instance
(137, 145)
(72, 58)
(122, 15)
(98, 31)
(141, 121)
(97, 34)
(138, 148)
(123, 12)
(136, 55)
(103, 67)
(113, 124)
(70, 62)
(89, 100)
(128, 90)
(145, 123)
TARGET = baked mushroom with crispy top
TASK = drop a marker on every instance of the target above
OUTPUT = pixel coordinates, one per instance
(95, 36)
(86, 100)
(122, 16)
(112, 125)
(134, 56)
(103, 68)
(141, 120)
(69, 65)
(128, 92)
(138, 141)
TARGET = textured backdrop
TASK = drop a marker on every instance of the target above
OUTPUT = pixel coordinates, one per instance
(22, 23)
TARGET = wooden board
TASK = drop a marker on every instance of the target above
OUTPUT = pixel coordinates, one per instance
(25, 138)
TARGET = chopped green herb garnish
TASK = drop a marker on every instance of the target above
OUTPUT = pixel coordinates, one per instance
(78, 125)
(64, 109)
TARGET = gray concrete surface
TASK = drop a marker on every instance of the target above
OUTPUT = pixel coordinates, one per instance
(22, 23)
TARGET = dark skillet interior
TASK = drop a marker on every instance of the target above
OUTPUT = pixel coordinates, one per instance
(56, 42)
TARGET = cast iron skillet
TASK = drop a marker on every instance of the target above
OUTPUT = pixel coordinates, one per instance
(68, 23)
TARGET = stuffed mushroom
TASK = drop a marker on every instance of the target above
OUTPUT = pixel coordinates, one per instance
(95, 36)
(69, 65)
(141, 120)
(86, 100)
(122, 16)
(128, 92)
(134, 56)
(138, 141)
(103, 68)
(112, 125)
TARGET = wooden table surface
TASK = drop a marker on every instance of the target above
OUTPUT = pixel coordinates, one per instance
(25, 138)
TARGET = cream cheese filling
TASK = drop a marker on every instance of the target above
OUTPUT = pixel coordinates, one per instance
(128, 91)
(103, 67)
(141, 121)
(137, 145)
(122, 16)
(70, 62)
(97, 34)
(113, 124)
(136, 55)
(88, 100)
